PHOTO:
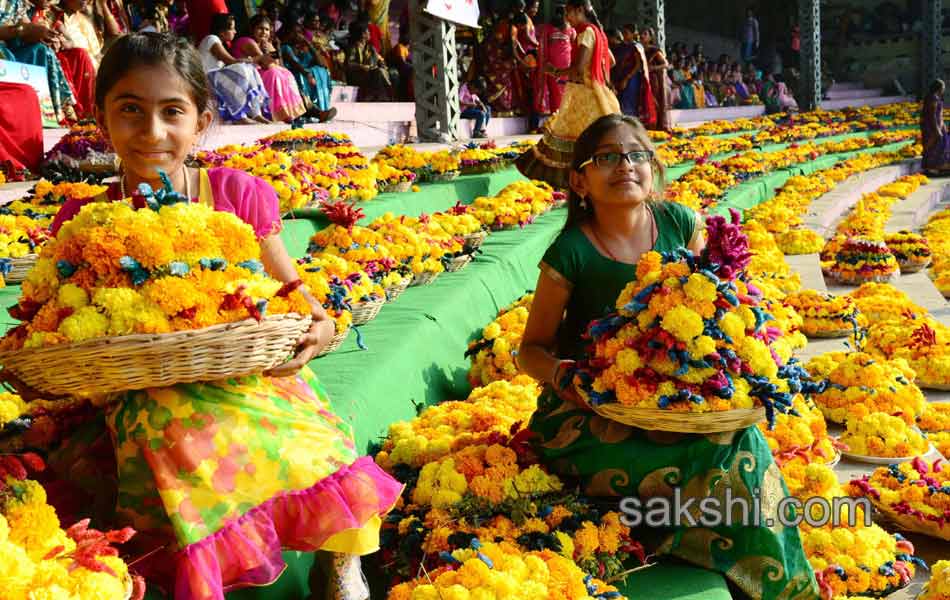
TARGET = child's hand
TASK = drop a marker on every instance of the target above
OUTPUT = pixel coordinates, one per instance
(308, 346)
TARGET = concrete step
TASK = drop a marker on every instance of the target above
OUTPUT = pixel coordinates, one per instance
(911, 214)
(870, 101)
(854, 94)
(826, 210)
(846, 85)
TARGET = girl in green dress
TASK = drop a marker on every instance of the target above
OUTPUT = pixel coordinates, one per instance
(614, 216)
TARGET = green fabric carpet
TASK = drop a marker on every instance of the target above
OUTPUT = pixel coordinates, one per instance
(415, 348)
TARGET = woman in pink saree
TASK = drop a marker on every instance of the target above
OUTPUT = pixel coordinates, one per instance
(286, 102)
(554, 49)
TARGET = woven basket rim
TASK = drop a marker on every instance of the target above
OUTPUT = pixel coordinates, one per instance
(140, 338)
(685, 422)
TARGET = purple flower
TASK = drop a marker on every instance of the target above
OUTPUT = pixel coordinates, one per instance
(727, 249)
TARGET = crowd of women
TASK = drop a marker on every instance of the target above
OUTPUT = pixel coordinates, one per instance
(525, 63)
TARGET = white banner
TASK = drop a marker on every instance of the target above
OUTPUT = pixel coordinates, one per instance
(462, 12)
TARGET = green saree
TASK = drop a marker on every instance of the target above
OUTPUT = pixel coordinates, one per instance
(614, 460)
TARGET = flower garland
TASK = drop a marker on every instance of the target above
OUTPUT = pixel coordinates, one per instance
(882, 302)
(174, 265)
(800, 241)
(910, 249)
(938, 588)
(921, 341)
(502, 570)
(848, 560)
(861, 260)
(517, 205)
(84, 142)
(824, 313)
(857, 384)
(917, 492)
(880, 434)
(935, 418)
(803, 437)
(489, 412)
(493, 354)
(40, 559)
(937, 232)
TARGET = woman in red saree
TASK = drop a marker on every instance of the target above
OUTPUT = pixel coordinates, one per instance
(634, 88)
(656, 61)
(555, 40)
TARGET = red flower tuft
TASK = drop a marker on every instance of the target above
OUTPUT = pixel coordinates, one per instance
(342, 214)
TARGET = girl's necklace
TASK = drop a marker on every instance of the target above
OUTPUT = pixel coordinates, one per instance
(653, 234)
(187, 185)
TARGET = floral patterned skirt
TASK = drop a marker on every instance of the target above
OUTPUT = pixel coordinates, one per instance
(219, 477)
(613, 460)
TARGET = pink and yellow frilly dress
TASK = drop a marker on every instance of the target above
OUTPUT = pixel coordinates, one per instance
(229, 473)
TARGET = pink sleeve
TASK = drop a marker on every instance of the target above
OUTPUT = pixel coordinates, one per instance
(251, 199)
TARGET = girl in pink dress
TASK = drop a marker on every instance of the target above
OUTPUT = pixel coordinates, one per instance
(286, 102)
(219, 477)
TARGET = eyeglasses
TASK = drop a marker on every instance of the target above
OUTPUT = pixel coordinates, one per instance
(610, 160)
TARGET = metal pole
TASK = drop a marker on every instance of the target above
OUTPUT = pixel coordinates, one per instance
(435, 66)
(809, 18)
(653, 14)
(930, 65)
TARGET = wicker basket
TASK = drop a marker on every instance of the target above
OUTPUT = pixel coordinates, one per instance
(837, 333)
(859, 280)
(473, 241)
(335, 342)
(401, 187)
(441, 177)
(100, 168)
(910, 266)
(364, 312)
(657, 419)
(424, 278)
(483, 167)
(458, 263)
(940, 387)
(135, 362)
(909, 523)
(394, 291)
(19, 268)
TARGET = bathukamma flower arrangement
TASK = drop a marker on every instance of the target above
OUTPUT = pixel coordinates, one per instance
(824, 314)
(115, 270)
(689, 336)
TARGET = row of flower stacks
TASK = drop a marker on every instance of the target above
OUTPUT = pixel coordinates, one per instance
(691, 145)
(480, 517)
(861, 251)
(706, 183)
(348, 264)
(24, 223)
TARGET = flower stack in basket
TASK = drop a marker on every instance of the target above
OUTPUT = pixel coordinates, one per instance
(127, 298)
(688, 349)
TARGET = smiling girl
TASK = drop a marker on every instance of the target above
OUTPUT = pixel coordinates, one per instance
(219, 477)
(614, 216)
